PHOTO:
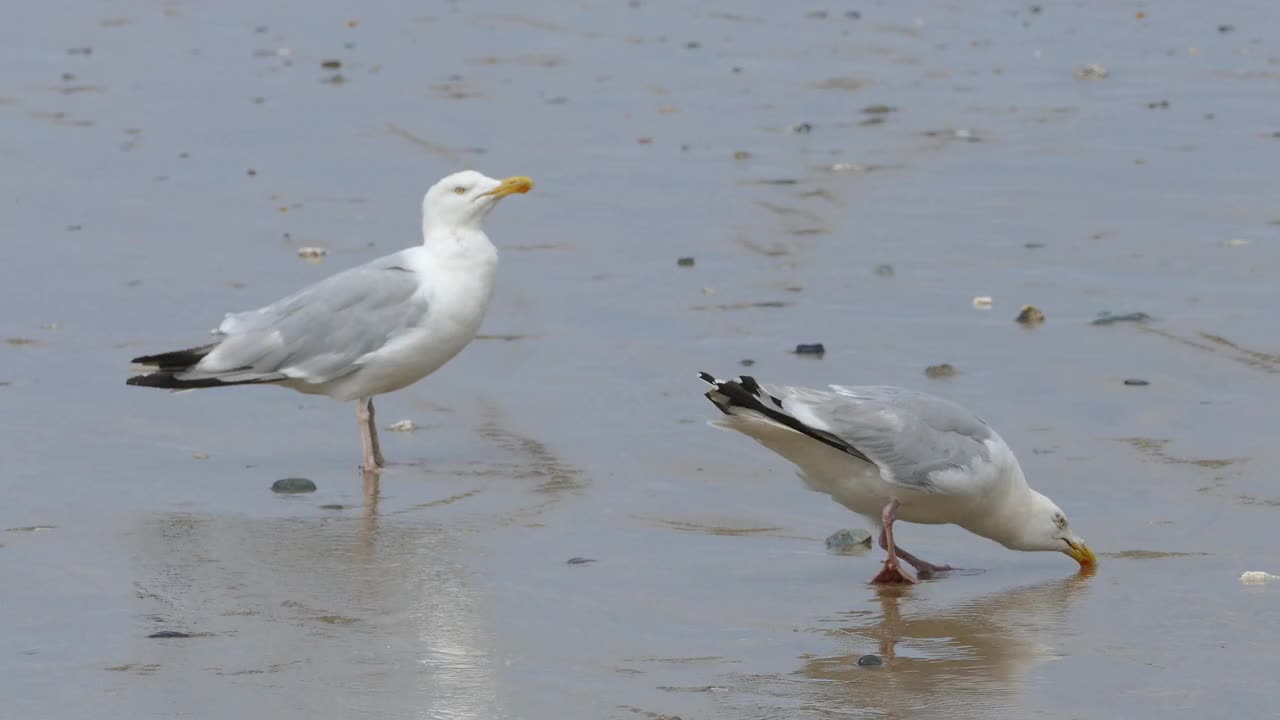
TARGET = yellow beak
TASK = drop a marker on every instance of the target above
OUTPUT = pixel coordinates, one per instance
(510, 186)
(1081, 553)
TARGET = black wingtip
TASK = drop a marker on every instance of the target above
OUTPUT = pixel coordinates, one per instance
(708, 378)
(177, 359)
(169, 381)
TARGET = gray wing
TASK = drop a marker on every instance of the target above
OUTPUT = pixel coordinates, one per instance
(321, 332)
(911, 436)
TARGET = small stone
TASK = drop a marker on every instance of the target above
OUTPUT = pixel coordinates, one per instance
(311, 254)
(1257, 577)
(878, 109)
(335, 79)
(579, 561)
(810, 349)
(331, 64)
(1224, 29)
(402, 426)
(1030, 315)
(163, 634)
(333, 506)
(202, 456)
(1033, 245)
(1158, 105)
(746, 362)
(685, 262)
(847, 167)
(940, 371)
(293, 485)
(983, 302)
(1106, 318)
(742, 155)
(803, 128)
(1136, 382)
(1093, 71)
(848, 539)
(884, 270)
(870, 661)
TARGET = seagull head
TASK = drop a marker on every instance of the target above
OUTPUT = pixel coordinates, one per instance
(464, 199)
(1045, 528)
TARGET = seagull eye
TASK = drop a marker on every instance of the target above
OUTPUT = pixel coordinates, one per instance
(460, 190)
(1060, 521)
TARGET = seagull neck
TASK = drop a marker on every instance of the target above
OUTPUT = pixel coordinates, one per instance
(457, 242)
(1003, 516)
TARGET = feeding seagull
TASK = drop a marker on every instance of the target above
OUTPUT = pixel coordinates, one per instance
(369, 330)
(891, 454)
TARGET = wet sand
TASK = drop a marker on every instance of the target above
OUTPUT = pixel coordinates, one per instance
(165, 162)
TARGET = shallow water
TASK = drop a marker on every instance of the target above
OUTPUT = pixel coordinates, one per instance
(132, 222)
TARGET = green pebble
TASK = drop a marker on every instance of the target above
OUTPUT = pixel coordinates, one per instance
(849, 539)
(293, 485)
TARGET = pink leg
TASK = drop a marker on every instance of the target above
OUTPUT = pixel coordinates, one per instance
(923, 568)
(372, 455)
(892, 572)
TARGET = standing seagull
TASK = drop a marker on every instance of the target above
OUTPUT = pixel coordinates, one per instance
(892, 454)
(369, 330)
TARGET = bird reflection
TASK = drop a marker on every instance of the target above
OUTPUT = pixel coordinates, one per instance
(374, 615)
(966, 661)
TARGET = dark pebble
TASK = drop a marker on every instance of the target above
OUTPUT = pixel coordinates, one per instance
(1033, 245)
(167, 634)
(802, 128)
(1136, 381)
(870, 661)
(693, 45)
(1224, 29)
(942, 370)
(810, 349)
(1107, 318)
(685, 262)
(333, 507)
(293, 485)
(331, 64)
(1030, 315)
(579, 561)
(746, 362)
